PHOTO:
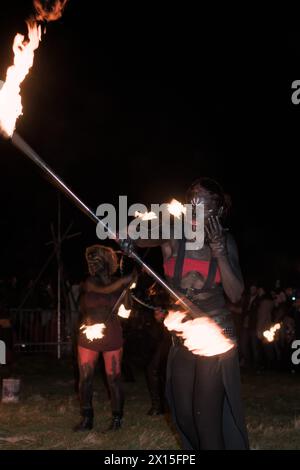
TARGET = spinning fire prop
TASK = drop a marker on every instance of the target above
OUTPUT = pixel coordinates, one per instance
(123, 313)
(270, 334)
(93, 331)
(201, 335)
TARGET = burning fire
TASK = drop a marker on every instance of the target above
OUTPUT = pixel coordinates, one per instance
(270, 334)
(146, 215)
(94, 331)
(201, 335)
(51, 11)
(133, 285)
(10, 98)
(122, 312)
(176, 208)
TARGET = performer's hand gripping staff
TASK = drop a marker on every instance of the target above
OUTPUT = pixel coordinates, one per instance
(192, 311)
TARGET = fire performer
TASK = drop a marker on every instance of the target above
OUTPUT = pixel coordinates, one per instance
(98, 299)
(205, 386)
(204, 392)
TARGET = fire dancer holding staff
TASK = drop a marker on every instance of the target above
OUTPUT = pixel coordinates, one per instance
(98, 299)
(204, 392)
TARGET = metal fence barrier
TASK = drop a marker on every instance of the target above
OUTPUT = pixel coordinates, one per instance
(35, 330)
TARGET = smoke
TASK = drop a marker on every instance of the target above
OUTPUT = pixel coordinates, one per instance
(48, 10)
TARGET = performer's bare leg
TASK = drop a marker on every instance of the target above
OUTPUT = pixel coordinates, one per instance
(112, 361)
(87, 360)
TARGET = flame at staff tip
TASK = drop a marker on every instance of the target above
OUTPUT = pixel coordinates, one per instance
(123, 313)
(270, 334)
(133, 285)
(146, 215)
(202, 336)
(176, 208)
(49, 10)
(93, 331)
(10, 98)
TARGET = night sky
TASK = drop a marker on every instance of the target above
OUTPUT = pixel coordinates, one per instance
(138, 102)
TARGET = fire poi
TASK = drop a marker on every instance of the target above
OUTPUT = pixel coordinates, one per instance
(95, 331)
(201, 335)
(271, 333)
(123, 312)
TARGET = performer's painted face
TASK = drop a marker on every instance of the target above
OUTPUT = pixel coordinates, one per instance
(199, 195)
(96, 263)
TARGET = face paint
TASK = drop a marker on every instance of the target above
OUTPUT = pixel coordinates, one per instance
(201, 196)
(96, 263)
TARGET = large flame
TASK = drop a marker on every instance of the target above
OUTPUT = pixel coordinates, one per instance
(123, 313)
(93, 331)
(201, 335)
(10, 98)
(176, 208)
(270, 334)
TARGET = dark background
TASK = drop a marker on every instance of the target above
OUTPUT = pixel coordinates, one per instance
(139, 102)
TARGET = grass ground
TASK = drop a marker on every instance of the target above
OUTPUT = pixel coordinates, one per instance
(48, 409)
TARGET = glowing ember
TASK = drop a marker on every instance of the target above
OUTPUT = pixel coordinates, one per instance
(201, 335)
(146, 215)
(122, 312)
(270, 334)
(94, 331)
(176, 208)
(133, 285)
(10, 98)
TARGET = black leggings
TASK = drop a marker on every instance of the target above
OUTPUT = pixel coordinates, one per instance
(198, 396)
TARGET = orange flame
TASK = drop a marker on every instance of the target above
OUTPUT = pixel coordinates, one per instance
(93, 331)
(49, 11)
(201, 335)
(10, 98)
(176, 208)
